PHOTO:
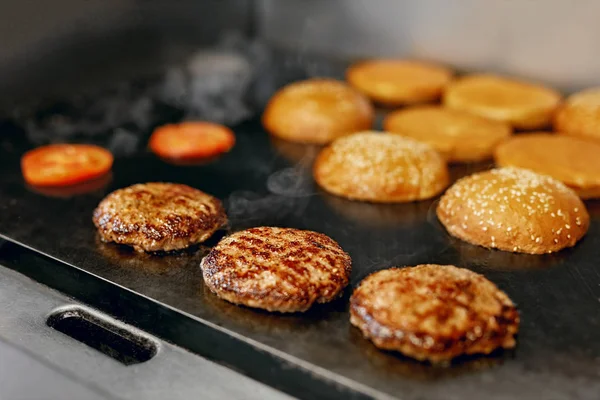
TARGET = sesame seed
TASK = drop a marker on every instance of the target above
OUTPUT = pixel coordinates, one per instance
(390, 160)
(511, 194)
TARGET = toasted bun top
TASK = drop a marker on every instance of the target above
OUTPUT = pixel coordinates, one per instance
(456, 134)
(376, 166)
(573, 161)
(514, 209)
(520, 103)
(399, 81)
(580, 114)
(317, 111)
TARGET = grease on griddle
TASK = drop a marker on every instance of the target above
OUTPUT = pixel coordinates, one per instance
(157, 263)
(379, 215)
(395, 365)
(65, 192)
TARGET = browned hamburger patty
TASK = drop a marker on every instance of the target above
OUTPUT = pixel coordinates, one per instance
(158, 216)
(277, 269)
(434, 312)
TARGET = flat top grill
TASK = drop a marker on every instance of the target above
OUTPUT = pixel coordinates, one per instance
(265, 182)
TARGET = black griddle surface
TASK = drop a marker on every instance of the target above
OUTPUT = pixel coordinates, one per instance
(264, 183)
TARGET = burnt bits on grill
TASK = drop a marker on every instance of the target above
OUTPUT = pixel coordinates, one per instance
(158, 216)
(434, 312)
(277, 269)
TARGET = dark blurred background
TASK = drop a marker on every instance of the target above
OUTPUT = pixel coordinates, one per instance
(52, 47)
(64, 45)
(107, 71)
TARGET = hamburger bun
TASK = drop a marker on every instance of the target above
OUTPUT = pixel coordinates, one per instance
(514, 209)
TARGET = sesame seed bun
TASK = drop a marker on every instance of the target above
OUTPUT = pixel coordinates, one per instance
(317, 111)
(382, 168)
(399, 82)
(522, 105)
(457, 135)
(571, 160)
(580, 115)
(434, 312)
(514, 209)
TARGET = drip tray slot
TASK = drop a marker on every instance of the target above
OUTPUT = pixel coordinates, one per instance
(104, 334)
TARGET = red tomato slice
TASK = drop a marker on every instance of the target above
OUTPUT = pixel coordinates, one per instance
(65, 164)
(191, 140)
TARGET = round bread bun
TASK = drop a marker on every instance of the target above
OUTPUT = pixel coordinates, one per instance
(514, 209)
(434, 312)
(399, 82)
(381, 168)
(573, 161)
(579, 115)
(158, 216)
(277, 269)
(522, 105)
(317, 111)
(457, 135)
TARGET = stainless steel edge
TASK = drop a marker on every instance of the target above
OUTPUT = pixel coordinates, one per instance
(71, 369)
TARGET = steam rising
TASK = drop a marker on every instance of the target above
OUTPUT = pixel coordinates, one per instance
(245, 208)
(227, 83)
(290, 182)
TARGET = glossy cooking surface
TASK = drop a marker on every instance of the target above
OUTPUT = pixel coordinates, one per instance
(266, 183)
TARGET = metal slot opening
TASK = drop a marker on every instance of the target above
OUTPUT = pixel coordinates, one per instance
(112, 339)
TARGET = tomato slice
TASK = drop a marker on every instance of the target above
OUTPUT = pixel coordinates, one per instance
(65, 164)
(191, 140)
